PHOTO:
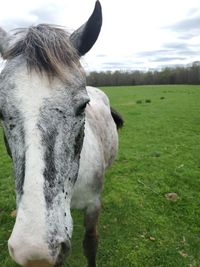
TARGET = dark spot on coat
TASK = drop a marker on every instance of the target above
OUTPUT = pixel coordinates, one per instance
(12, 126)
(50, 172)
(79, 142)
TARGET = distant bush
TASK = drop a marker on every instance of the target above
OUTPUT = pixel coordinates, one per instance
(139, 101)
(148, 101)
(175, 75)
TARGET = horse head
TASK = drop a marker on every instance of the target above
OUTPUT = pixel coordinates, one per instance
(42, 108)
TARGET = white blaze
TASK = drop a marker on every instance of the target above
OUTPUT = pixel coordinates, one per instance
(29, 230)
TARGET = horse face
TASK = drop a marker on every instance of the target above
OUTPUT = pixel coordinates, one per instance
(44, 128)
(42, 104)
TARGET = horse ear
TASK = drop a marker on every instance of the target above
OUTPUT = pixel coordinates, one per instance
(3, 40)
(84, 38)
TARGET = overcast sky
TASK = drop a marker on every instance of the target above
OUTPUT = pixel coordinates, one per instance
(136, 34)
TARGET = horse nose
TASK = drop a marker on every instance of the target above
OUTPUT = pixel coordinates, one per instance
(36, 255)
(24, 253)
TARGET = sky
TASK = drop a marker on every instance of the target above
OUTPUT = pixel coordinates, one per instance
(136, 34)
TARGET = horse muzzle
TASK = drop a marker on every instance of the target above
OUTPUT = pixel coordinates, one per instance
(38, 256)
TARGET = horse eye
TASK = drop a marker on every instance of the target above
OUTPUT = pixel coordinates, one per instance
(81, 108)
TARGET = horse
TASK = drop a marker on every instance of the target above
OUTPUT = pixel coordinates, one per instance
(61, 135)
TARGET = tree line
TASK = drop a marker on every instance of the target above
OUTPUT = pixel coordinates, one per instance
(176, 75)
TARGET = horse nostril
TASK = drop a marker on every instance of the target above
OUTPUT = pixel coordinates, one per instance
(65, 245)
(64, 251)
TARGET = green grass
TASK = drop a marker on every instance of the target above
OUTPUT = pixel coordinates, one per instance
(159, 153)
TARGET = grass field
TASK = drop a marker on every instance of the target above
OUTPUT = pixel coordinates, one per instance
(159, 153)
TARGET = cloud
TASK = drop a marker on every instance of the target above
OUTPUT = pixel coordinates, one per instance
(193, 12)
(188, 27)
(185, 49)
(115, 66)
(190, 24)
(101, 55)
(167, 59)
(174, 46)
(109, 64)
(47, 14)
(41, 14)
(125, 65)
(13, 23)
(172, 51)
(152, 53)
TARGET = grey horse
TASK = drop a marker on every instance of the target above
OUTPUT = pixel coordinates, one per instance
(61, 136)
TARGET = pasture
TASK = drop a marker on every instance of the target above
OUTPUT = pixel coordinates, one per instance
(140, 226)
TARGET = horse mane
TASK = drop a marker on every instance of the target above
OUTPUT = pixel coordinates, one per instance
(46, 49)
